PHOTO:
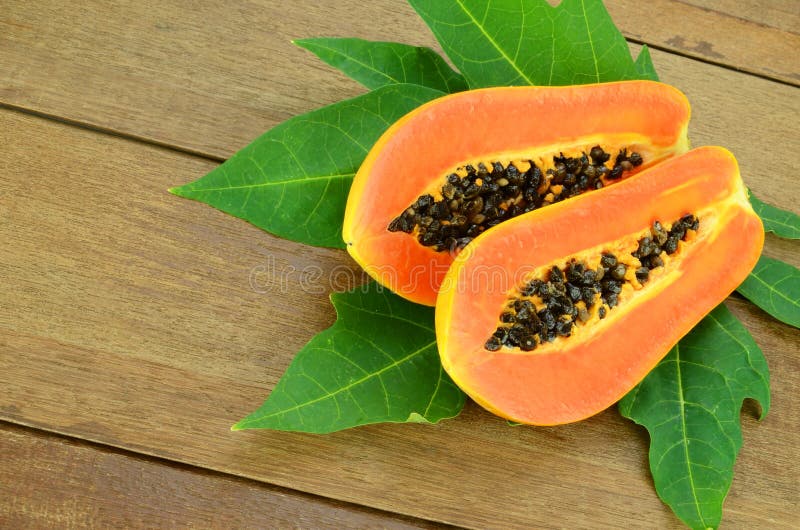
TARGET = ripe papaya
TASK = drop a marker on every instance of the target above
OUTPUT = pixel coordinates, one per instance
(553, 316)
(464, 163)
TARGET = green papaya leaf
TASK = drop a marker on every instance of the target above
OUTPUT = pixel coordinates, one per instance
(293, 180)
(781, 222)
(690, 404)
(645, 66)
(774, 286)
(530, 42)
(377, 64)
(377, 363)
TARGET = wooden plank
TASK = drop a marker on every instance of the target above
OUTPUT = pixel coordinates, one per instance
(731, 33)
(127, 317)
(781, 14)
(48, 481)
(197, 76)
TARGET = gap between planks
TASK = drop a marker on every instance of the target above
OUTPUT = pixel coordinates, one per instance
(208, 155)
(172, 490)
(710, 62)
(184, 78)
(88, 126)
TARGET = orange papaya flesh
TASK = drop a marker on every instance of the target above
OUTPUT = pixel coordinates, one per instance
(516, 126)
(563, 379)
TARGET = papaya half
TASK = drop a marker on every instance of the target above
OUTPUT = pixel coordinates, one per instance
(457, 166)
(553, 316)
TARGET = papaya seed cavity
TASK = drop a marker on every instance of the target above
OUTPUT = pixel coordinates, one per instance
(551, 305)
(486, 196)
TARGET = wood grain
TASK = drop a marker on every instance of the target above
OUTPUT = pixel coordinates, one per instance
(194, 75)
(48, 481)
(781, 14)
(127, 317)
(757, 37)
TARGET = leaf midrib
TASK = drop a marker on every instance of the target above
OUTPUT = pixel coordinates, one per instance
(342, 389)
(685, 436)
(277, 183)
(361, 63)
(591, 41)
(493, 43)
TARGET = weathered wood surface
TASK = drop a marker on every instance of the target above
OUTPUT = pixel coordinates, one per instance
(127, 317)
(781, 14)
(757, 37)
(135, 319)
(47, 481)
(210, 77)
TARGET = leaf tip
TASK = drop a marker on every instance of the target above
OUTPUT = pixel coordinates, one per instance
(186, 191)
(179, 191)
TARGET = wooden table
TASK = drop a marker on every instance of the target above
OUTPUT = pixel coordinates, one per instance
(130, 338)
